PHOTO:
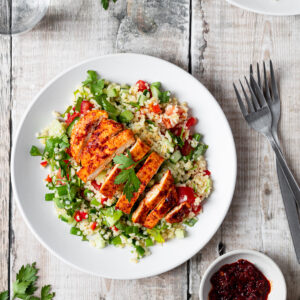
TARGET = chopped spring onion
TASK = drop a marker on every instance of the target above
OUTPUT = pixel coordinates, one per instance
(191, 222)
(78, 104)
(149, 242)
(116, 240)
(140, 250)
(200, 150)
(75, 231)
(62, 190)
(49, 196)
(197, 137)
(126, 116)
(95, 202)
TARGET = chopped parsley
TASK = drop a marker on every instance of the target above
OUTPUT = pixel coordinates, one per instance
(127, 176)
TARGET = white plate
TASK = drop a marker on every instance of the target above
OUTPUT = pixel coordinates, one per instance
(270, 7)
(264, 263)
(111, 262)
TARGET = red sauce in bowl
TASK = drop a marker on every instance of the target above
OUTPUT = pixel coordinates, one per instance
(239, 281)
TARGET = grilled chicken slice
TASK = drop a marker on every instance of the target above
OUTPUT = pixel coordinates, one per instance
(153, 197)
(178, 213)
(109, 188)
(162, 208)
(83, 130)
(104, 153)
(146, 172)
(106, 129)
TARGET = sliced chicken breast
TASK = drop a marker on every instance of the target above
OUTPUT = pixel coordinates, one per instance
(104, 153)
(162, 208)
(153, 197)
(83, 130)
(178, 213)
(105, 130)
(146, 172)
(109, 188)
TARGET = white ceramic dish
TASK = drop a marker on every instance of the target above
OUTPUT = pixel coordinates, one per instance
(111, 262)
(270, 7)
(265, 264)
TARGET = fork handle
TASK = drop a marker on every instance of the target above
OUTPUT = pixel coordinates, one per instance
(286, 170)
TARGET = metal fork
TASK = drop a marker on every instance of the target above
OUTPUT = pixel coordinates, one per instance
(259, 117)
(286, 192)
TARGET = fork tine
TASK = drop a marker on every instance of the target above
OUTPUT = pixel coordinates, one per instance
(267, 89)
(258, 76)
(251, 69)
(258, 92)
(273, 82)
(253, 97)
(249, 103)
(240, 101)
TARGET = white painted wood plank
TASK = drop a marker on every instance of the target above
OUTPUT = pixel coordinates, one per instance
(4, 157)
(73, 31)
(222, 49)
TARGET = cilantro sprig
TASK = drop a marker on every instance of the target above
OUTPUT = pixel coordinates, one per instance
(25, 285)
(127, 176)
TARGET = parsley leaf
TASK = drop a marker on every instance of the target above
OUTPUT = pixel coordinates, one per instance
(124, 161)
(25, 284)
(165, 97)
(45, 293)
(4, 295)
(127, 175)
(34, 151)
(105, 3)
(93, 83)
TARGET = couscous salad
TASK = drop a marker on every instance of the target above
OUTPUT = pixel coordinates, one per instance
(125, 167)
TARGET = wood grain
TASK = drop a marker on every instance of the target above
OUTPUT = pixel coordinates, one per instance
(225, 40)
(216, 42)
(73, 31)
(5, 94)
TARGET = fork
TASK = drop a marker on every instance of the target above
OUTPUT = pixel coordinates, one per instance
(287, 195)
(259, 117)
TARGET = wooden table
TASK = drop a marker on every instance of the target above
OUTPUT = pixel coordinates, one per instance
(216, 43)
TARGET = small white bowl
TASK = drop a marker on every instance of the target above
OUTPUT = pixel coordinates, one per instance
(265, 264)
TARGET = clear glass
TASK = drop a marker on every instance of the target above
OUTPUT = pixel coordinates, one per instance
(17, 16)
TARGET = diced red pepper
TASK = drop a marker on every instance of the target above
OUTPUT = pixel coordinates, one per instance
(77, 216)
(206, 172)
(142, 85)
(186, 149)
(71, 118)
(186, 193)
(86, 106)
(176, 130)
(96, 185)
(66, 161)
(191, 122)
(48, 179)
(44, 163)
(80, 215)
(114, 228)
(94, 225)
(103, 200)
(155, 108)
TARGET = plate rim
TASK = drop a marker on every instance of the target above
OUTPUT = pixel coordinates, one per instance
(15, 190)
(257, 11)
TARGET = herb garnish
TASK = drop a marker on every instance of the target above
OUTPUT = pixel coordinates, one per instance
(25, 285)
(127, 175)
(105, 3)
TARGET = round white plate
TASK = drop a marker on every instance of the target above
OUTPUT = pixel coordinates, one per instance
(264, 263)
(270, 7)
(111, 262)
